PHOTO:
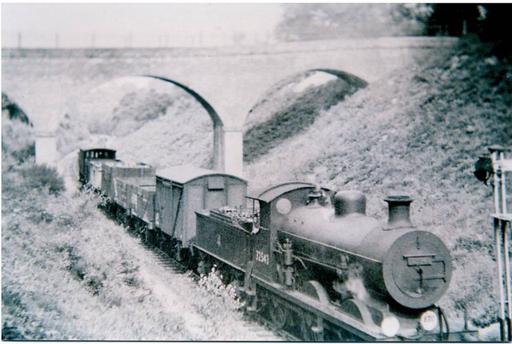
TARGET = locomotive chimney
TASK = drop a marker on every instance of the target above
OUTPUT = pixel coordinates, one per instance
(348, 202)
(399, 210)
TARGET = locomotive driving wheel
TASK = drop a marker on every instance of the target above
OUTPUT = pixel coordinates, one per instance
(311, 325)
(307, 321)
(316, 291)
(278, 313)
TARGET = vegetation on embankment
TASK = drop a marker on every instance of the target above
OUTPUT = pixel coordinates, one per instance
(297, 115)
(418, 132)
(69, 273)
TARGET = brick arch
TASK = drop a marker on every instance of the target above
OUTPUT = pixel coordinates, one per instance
(348, 77)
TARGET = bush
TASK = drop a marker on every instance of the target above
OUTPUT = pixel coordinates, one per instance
(43, 176)
(25, 154)
(17, 140)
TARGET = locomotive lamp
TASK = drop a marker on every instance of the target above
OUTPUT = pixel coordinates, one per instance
(390, 326)
(428, 320)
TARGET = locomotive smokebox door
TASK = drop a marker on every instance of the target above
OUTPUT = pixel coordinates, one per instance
(417, 269)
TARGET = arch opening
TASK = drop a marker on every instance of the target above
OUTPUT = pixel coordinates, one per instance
(147, 118)
(218, 142)
(292, 105)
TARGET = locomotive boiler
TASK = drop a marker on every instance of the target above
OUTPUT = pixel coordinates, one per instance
(396, 262)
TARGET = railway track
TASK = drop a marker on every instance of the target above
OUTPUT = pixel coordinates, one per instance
(255, 323)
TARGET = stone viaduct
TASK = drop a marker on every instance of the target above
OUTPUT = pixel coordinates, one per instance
(226, 81)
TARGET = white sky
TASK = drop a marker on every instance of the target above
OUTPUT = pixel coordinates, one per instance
(158, 24)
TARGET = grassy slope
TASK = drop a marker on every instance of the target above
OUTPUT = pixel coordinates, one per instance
(69, 273)
(294, 116)
(417, 132)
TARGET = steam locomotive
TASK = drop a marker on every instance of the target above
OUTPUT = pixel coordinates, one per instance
(305, 258)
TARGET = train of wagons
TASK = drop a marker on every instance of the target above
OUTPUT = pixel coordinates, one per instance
(305, 258)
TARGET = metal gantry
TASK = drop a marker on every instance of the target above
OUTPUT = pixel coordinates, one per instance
(502, 218)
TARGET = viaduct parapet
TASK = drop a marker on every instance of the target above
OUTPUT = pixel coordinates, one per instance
(228, 82)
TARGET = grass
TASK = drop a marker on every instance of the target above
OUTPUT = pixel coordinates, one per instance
(69, 273)
(43, 176)
(295, 117)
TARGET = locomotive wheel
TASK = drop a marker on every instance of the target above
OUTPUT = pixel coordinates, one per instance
(278, 314)
(311, 327)
(315, 290)
(149, 236)
(358, 310)
(306, 323)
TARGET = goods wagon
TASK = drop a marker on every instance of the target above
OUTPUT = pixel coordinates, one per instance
(183, 190)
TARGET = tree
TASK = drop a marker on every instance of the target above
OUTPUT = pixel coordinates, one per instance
(328, 21)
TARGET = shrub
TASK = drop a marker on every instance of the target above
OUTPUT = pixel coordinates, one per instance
(25, 154)
(43, 176)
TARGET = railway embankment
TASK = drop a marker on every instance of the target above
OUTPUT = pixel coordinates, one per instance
(70, 273)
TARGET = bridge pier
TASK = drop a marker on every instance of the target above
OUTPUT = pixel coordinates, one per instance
(46, 148)
(218, 147)
(232, 142)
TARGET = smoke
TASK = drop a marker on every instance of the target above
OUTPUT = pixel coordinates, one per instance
(356, 288)
(350, 283)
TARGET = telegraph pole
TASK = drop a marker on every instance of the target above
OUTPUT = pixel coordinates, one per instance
(19, 40)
